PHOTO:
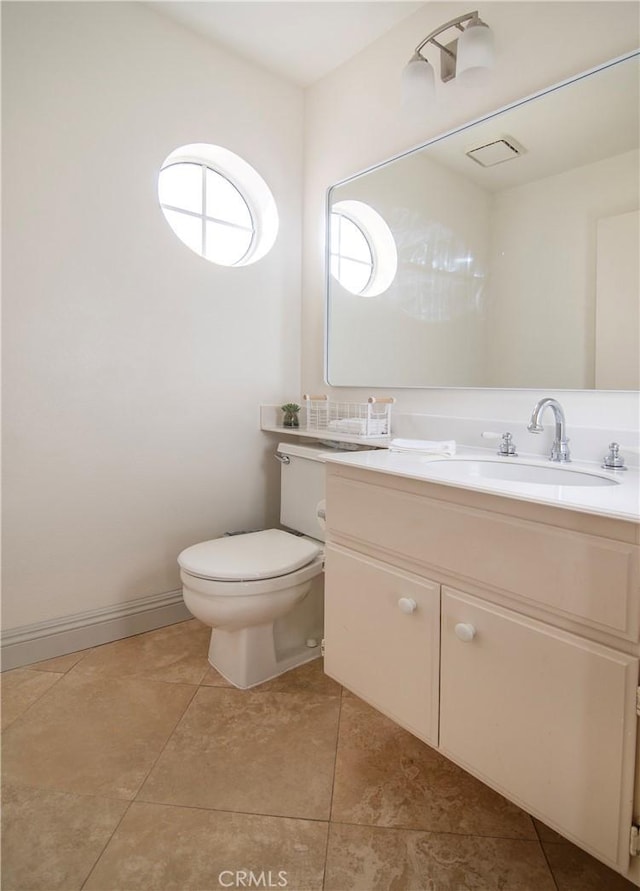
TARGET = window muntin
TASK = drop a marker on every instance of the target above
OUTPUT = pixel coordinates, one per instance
(351, 254)
(206, 211)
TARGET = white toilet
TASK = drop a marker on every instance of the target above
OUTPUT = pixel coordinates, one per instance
(262, 592)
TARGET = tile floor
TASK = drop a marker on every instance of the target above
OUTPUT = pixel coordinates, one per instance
(136, 766)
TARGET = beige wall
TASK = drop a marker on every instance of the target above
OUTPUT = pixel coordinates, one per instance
(617, 310)
(526, 320)
(133, 369)
(354, 120)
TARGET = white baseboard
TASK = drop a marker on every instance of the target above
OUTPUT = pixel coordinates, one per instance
(57, 637)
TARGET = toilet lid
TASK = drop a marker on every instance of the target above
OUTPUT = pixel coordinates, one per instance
(254, 555)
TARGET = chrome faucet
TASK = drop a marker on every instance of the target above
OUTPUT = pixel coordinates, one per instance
(560, 448)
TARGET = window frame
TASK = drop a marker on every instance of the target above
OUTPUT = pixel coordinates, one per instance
(252, 189)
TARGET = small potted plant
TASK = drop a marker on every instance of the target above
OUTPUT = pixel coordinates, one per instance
(290, 410)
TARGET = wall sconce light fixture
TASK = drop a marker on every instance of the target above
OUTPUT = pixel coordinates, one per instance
(468, 57)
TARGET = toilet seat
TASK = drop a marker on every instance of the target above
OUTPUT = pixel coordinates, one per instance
(249, 557)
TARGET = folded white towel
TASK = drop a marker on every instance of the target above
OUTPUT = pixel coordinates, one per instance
(424, 446)
(347, 425)
(358, 426)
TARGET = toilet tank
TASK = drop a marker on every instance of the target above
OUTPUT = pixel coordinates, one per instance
(302, 487)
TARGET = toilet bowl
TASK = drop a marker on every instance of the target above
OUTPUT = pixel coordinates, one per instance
(261, 592)
(240, 586)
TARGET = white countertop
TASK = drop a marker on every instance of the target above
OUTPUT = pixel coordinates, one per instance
(621, 501)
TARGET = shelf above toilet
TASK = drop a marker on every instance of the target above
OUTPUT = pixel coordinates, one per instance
(270, 414)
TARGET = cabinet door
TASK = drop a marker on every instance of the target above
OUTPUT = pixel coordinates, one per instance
(382, 638)
(544, 716)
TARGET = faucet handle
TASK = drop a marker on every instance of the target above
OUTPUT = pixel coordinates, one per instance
(614, 460)
(507, 445)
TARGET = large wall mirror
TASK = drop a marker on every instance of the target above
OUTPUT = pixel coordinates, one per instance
(503, 254)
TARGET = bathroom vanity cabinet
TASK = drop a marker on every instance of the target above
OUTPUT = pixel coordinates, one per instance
(502, 632)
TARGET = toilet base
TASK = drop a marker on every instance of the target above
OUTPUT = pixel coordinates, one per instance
(247, 657)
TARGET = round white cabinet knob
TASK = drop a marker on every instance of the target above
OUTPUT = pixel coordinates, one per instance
(407, 605)
(464, 631)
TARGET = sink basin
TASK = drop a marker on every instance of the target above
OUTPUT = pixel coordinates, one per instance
(469, 470)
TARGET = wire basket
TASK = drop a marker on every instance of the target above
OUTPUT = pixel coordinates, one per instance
(362, 419)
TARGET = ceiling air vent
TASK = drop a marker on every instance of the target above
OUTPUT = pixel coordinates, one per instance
(495, 152)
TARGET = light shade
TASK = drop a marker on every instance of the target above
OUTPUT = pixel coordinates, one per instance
(418, 84)
(476, 51)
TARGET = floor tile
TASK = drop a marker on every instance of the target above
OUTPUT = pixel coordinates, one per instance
(366, 858)
(51, 840)
(175, 654)
(386, 777)
(262, 753)
(213, 678)
(575, 870)
(20, 689)
(307, 678)
(241, 783)
(93, 735)
(60, 664)
(186, 849)
(547, 834)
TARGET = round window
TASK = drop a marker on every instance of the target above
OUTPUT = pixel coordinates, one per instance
(217, 204)
(363, 254)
